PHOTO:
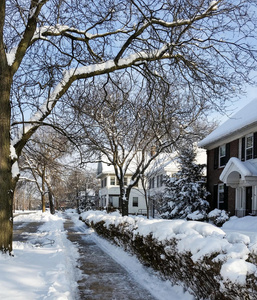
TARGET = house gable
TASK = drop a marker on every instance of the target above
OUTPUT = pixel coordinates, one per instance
(238, 173)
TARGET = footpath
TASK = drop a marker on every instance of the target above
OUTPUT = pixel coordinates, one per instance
(102, 277)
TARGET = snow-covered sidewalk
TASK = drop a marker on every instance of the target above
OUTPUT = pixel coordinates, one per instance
(45, 267)
(139, 283)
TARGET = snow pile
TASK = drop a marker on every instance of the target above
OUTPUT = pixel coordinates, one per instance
(229, 257)
(44, 267)
(218, 217)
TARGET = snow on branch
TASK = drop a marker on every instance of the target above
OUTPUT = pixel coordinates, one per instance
(69, 76)
(58, 29)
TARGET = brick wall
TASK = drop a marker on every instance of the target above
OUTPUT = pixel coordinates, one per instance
(214, 174)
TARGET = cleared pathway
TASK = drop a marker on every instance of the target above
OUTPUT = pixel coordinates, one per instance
(103, 277)
(23, 230)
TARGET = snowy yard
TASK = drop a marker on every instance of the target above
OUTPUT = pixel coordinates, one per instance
(45, 267)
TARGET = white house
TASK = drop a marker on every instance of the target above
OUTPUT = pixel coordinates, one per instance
(165, 164)
(110, 190)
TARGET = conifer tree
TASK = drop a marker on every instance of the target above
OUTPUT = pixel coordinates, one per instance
(185, 194)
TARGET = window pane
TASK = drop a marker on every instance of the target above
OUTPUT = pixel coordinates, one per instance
(249, 141)
(112, 180)
(249, 153)
(249, 147)
(135, 201)
(222, 150)
(222, 155)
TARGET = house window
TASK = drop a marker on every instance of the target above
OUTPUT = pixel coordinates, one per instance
(249, 147)
(221, 195)
(135, 202)
(125, 180)
(112, 180)
(222, 155)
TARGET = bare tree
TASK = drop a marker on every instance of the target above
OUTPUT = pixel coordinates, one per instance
(26, 196)
(121, 125)
(41, 160)
(48, 45)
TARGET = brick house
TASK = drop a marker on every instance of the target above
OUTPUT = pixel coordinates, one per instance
(232, 163)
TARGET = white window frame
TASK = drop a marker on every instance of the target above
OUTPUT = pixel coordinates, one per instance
(112, 180)
(222, 154)
(248, 148)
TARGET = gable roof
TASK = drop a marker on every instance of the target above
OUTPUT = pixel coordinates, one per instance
(237, 172)
(242, 119)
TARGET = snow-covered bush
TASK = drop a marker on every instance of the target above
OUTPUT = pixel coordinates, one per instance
(199, 256)
(218, 217)
(185, 194)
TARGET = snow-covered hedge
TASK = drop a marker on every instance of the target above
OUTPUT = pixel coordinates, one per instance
(197, 255)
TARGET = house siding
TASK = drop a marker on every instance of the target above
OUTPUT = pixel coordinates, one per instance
(213, 174)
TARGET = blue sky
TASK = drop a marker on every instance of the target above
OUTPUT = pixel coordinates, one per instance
(250, 94)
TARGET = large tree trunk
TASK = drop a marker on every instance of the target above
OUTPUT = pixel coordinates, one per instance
(7, 183)
(124, 200)
(43, 201)
(51, 202)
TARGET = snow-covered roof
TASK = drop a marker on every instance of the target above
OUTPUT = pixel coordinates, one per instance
(105, 167)
(239, 172)
(243, 118)
(165, 162)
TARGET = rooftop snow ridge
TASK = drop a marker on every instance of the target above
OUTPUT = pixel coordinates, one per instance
(245, 117)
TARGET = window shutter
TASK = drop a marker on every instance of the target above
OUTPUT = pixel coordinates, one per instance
(243, 149)
(255, 145)
(216, 158)
(227, 152)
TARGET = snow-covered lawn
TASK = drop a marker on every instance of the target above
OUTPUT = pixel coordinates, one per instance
(45, 267)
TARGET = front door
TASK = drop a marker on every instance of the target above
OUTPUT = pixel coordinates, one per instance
(248, 200)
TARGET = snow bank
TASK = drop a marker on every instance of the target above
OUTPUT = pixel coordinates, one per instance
(227, 259)
(42, 268)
